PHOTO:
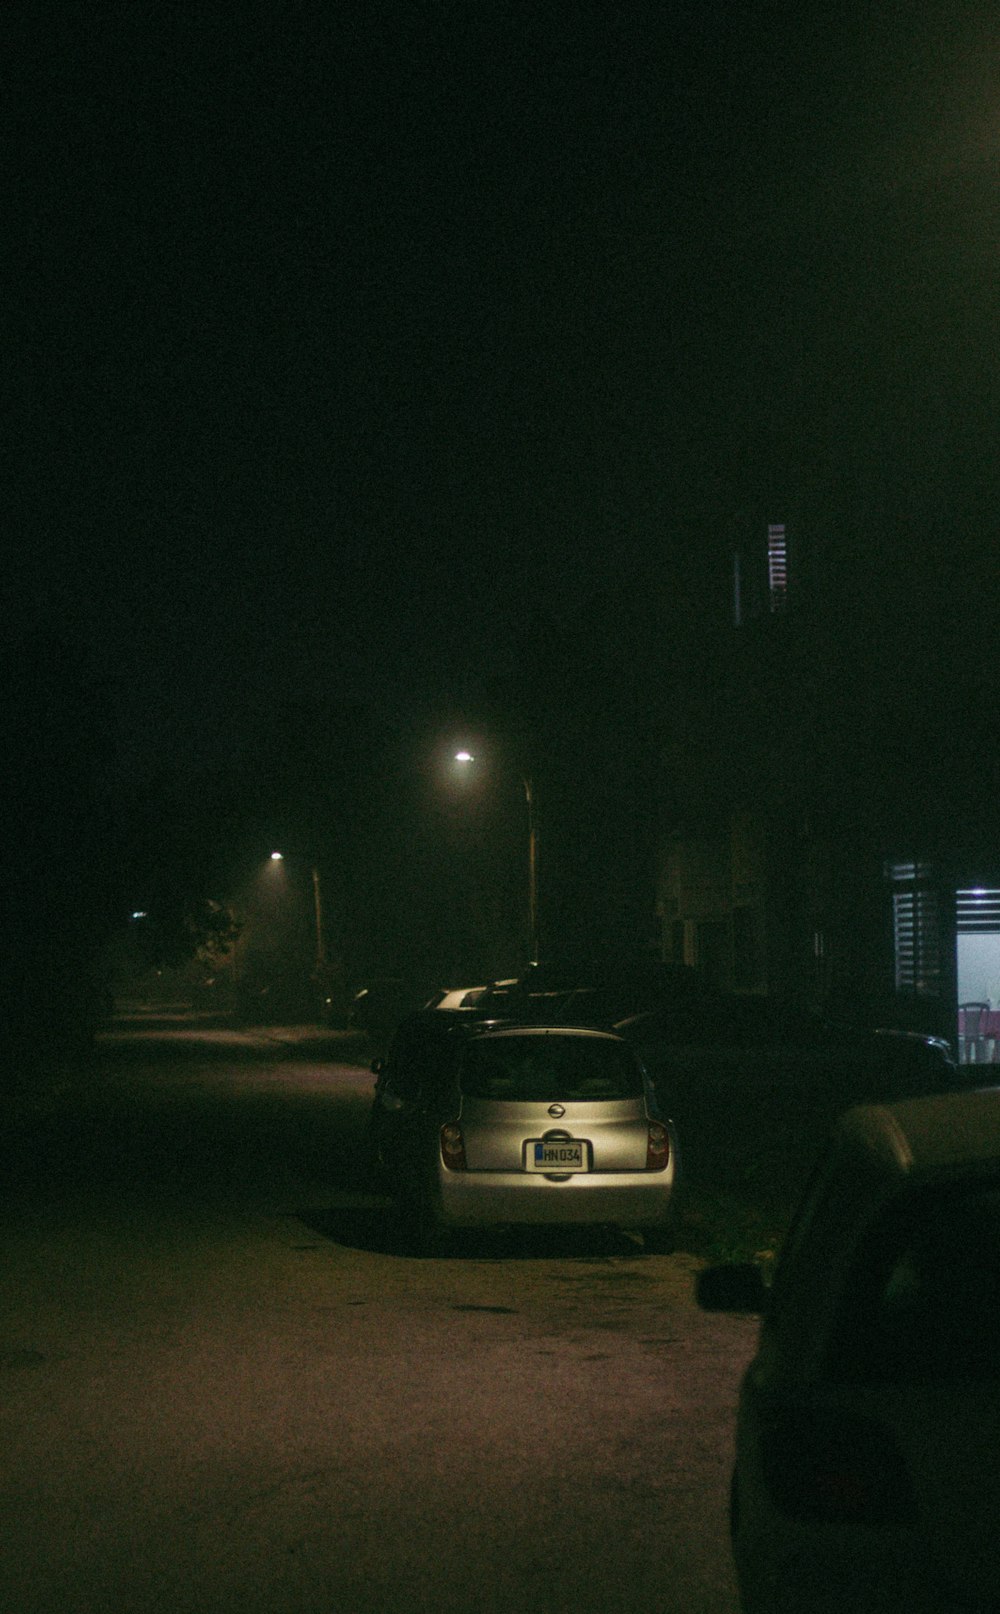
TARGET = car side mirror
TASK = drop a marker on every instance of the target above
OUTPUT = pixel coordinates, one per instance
(734, 1286)
(377, 1067)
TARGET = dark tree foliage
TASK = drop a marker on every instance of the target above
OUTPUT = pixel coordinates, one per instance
(183, 928)
(57, 879)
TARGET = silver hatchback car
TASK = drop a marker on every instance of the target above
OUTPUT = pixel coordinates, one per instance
(490, 1126)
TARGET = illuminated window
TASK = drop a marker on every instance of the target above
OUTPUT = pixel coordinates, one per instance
(760, 576)
(977, 909)
(916, 923)
(777, 566)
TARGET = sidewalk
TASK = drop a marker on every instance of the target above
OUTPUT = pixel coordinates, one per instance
(177, 1022)
(40, 1085)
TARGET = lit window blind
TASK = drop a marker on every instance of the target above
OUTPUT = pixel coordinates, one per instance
(977, 909)
(916, 920)
(777, 566)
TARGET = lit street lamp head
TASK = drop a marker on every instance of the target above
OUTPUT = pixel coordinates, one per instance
(464, 756)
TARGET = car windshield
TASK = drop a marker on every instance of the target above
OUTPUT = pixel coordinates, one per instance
(548, 1069)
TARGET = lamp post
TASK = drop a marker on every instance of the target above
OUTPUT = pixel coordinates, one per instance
(279, 857)
(318, 909)
(465, 759)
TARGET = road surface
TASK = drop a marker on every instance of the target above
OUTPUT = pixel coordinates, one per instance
(228, 1387)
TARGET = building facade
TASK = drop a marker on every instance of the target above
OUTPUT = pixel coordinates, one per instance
(828, 834)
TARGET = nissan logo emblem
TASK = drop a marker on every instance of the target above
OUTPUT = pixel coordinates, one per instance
(556, 1110)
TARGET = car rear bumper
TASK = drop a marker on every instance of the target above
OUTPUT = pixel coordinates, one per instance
(495, 1198)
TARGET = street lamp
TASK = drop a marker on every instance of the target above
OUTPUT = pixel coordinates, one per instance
(279, 857)
(318, 910)
(465, 759)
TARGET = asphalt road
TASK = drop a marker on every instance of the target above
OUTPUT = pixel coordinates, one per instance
(228, 1387)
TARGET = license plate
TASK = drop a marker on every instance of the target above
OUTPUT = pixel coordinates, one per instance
(556, 1154)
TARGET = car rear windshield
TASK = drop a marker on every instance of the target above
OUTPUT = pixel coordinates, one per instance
(550, 1069)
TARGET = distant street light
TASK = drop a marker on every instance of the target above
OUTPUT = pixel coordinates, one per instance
(466, 758)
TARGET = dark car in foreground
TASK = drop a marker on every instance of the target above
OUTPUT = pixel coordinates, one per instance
(489, 1124)
(867, 1475)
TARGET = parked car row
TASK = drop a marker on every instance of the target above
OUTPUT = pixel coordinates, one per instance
(682, 1029)
(865, 1473)
(387, 999)
(690, 1058)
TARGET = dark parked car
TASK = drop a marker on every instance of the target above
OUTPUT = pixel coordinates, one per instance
(746, 1033)
(867, 1475)
(385, 1000)
(457, 997)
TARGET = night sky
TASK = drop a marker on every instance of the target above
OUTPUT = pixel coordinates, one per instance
(361, 350)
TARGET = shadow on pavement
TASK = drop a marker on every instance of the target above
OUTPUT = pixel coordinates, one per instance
(377, 1229)
(196, 1142)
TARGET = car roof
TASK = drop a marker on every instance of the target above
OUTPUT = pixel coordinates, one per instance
(924, 1136)
(532, 1030)
(445, 1022)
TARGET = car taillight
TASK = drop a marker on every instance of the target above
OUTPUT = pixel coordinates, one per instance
(453, 1146)
(835, 1468)
(657, 1147)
